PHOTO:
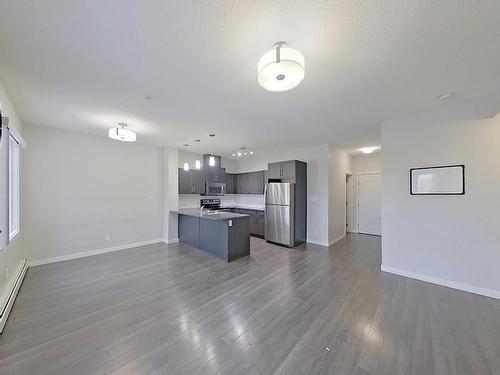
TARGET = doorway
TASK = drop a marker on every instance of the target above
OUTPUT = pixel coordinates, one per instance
(369, 203)
(348, 202)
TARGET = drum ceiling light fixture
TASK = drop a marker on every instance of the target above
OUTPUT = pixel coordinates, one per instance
(281, 69)
(122, 134)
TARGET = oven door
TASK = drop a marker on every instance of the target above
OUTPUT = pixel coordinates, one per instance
(215, 188)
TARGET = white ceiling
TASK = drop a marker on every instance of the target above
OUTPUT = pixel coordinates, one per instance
(86, 65)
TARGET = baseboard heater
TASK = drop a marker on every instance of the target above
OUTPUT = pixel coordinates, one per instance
(9, 295)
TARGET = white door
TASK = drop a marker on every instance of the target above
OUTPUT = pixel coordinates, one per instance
(369, 203)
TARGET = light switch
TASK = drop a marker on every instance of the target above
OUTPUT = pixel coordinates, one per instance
(230, 223)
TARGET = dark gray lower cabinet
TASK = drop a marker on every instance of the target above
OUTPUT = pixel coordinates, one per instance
(256, 222)
(216, 237)
(189, 230)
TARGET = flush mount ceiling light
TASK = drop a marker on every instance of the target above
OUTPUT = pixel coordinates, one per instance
(122, 134)
(281, 69)
(368, 150)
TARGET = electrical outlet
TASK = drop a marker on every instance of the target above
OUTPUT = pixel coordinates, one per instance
(107, 237)
(230, 223)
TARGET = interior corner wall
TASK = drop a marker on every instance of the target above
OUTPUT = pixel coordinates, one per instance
(448, 240)
(84, 194)
(339, 164)
(11, 256)
(171, 160)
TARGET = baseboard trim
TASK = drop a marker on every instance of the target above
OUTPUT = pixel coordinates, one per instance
(335, 240)
(317, 243)
(9, 295)
(84, 254)
(447, 283)
(168, 242)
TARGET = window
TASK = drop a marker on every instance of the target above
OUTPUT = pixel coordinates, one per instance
(13, 187)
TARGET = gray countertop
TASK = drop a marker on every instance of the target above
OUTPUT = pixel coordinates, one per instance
(245, 207)
(196, 212)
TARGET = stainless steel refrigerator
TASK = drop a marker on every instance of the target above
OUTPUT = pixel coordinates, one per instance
(285, 215)
(280, 213)
(286, 203)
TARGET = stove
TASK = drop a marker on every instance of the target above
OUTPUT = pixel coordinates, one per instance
(212, 205)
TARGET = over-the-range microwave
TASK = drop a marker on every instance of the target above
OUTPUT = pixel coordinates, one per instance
(215, 188)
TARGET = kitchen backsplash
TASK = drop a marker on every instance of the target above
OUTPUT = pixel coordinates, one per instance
(236, 200)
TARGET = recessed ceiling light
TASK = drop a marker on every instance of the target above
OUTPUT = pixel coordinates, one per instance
(197, 140)
(186, 145)
(281, 69)
(239, 153)
(446, 96)
(251, 152)
(211, 135)
(368, 150)
(233, 154)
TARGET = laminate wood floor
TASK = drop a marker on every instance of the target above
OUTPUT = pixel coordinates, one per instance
(170, 309)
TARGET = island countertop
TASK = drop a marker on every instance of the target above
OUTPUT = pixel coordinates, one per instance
(196, 212)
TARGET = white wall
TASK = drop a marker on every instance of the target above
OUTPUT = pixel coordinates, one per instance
(339, 164)
(450, 240)
(78, 188)
(367, 162)
(11, 256)
(362, 163)
(316, 158)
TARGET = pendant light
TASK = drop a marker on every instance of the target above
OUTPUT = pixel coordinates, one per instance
(281, 69)
(122, 134)
(197, 163)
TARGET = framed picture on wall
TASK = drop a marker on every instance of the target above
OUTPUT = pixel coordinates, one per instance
(440, 180)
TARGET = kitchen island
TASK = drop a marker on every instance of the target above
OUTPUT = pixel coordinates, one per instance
(225, 235)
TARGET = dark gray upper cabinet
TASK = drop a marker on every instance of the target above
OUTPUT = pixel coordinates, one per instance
(274, 170)
(191, 182)
(230, 188)
(256, 183)
(185, 182)
(288, 171)
(249, 183)
(197, 181)
(241, 183)
(284, 171)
